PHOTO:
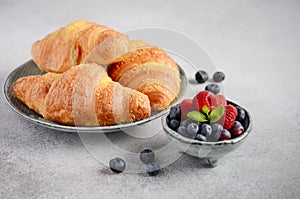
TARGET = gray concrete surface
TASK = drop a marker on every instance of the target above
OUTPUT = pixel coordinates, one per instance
(256, 43)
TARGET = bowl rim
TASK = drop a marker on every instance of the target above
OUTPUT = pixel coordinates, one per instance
(189, 141)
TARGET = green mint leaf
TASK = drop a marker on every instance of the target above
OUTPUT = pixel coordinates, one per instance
(205, 110)
(217, 113)
(197, 116)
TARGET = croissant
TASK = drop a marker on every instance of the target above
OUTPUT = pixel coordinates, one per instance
(82, 96)
(79, 42)
(149, 70)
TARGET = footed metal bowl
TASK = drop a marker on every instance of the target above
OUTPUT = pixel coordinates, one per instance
(211, 151)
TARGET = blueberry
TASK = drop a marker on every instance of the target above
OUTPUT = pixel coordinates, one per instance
(205, 129)
(192, 129)
(187, 121)
(174, 124)
(200, 137)
(173, 115)
(147, 156)
(219, 76)
(175, 112)
(225, 135)
(214, 88)
(237, 129)
(216, 127)
(182, 131)
(215, 134)
(241, 114)
(200, 126)
(117, 165)
(201, 76)
(152, 169)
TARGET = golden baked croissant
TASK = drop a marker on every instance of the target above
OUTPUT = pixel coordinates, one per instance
(149, 70)
(82, 96)
(79, 42)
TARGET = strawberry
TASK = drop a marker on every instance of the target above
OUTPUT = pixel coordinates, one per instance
(204, 98)
(186, 106)
(230, 115)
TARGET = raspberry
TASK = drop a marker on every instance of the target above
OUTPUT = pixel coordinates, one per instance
(186, 106)
(230, 115)
(221, 100)
(204, 98)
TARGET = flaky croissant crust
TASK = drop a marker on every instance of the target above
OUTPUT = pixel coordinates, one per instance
(66, 98)
(79, 42)
(150, 70)
(132, 63)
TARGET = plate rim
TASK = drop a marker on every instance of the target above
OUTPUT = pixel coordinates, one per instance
(80, 129)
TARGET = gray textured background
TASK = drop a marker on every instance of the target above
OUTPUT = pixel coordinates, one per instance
(256, 43)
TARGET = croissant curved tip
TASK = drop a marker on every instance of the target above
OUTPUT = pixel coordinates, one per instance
(141, 108)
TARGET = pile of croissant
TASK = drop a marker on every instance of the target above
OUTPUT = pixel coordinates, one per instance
(96, 76)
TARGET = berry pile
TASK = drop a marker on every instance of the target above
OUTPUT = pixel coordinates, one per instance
(207, 117)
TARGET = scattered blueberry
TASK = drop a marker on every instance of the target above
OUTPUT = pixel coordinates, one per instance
(174, 124)
(225, 135)
(200, 137)
(192, 129)
(205, 129)
(241, 114)
(214, 88)
(117, 165)
(201, 76)
(218, 76)
(215, 134)
(147, 156)
(152, 169)
(237, 129)
(175, 113)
